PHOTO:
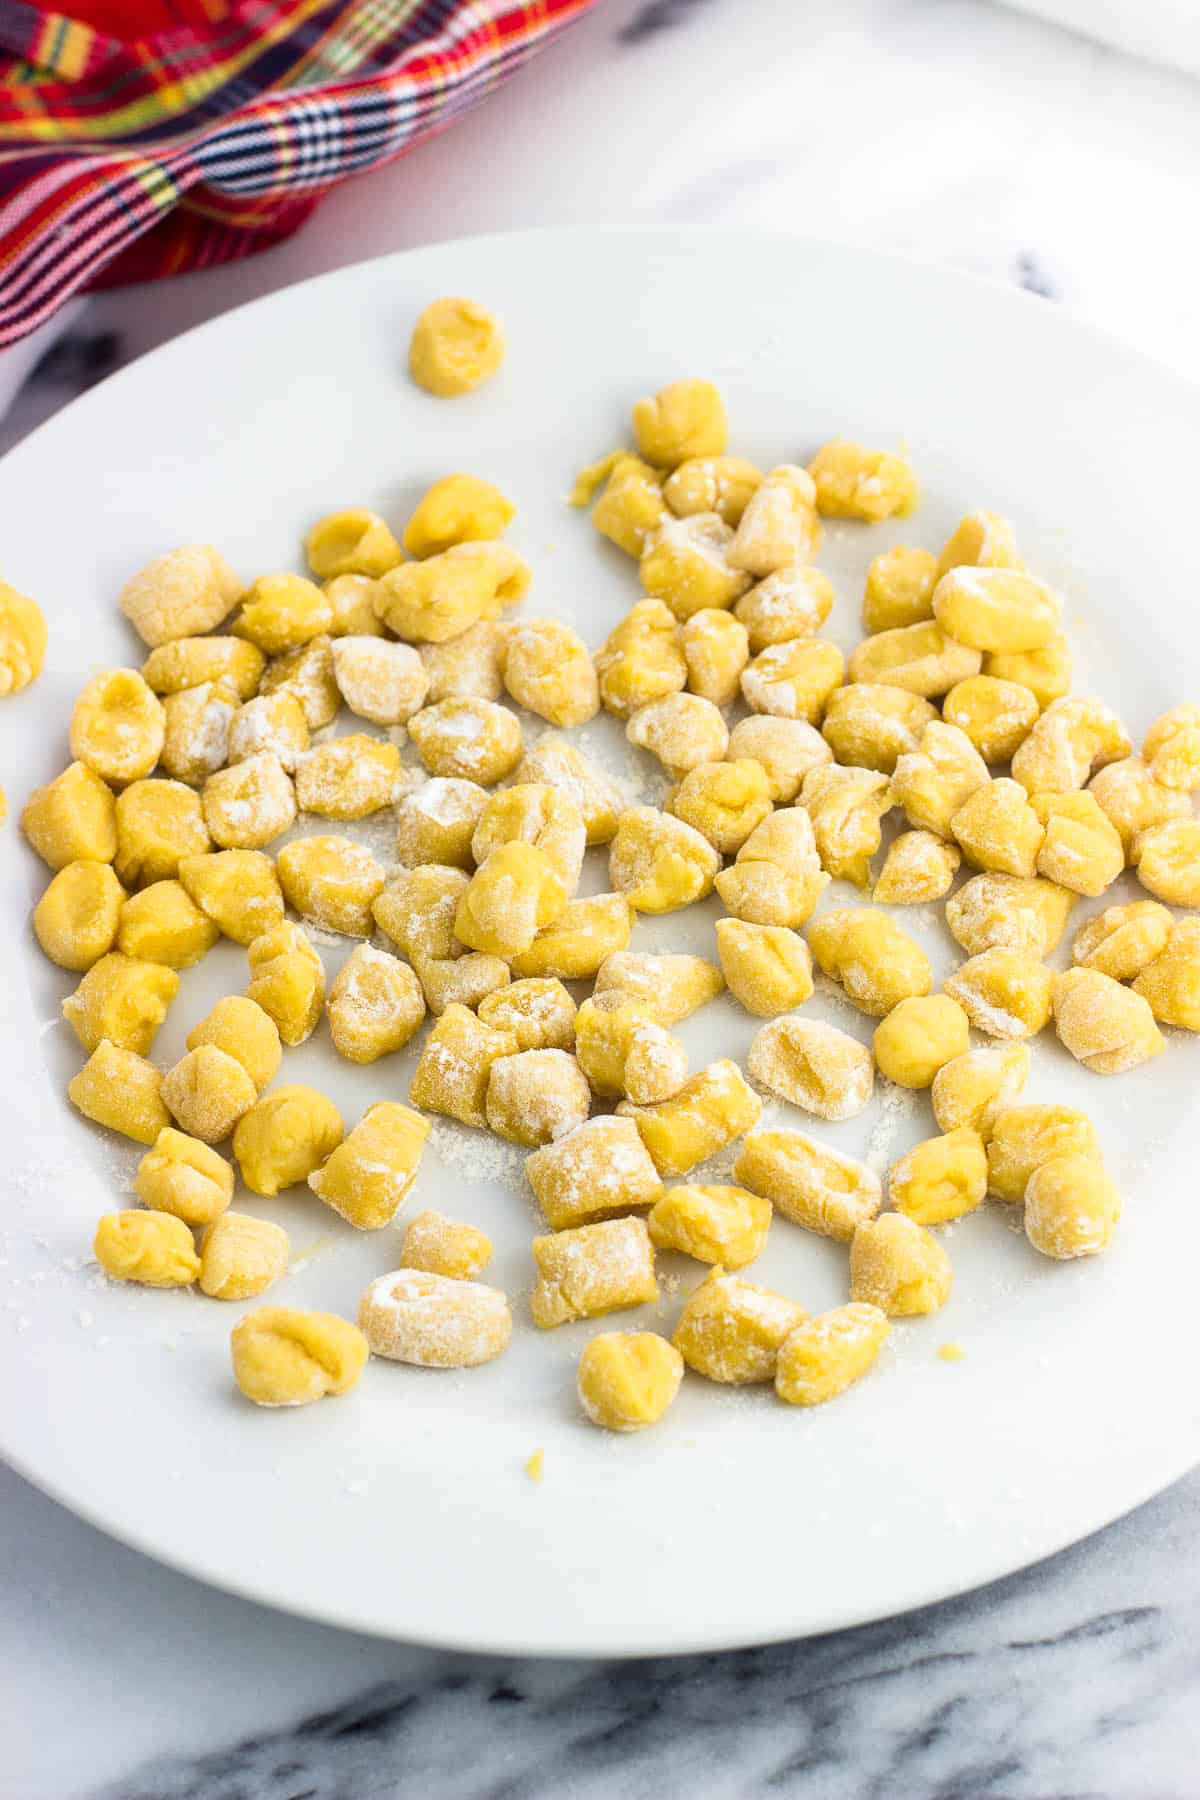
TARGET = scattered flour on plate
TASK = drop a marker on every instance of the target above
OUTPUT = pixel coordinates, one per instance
(477, 1156)
(898, 1104)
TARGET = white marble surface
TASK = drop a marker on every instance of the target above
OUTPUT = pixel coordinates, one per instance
(957, 132)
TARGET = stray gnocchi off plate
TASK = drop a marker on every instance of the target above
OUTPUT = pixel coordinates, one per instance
(405, 1509)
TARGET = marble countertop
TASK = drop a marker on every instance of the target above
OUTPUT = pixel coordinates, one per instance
(957, 132)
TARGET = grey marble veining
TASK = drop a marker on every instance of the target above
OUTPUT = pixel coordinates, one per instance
(1076, 1681)
(948, 129)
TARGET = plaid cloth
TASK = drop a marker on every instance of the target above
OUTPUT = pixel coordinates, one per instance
(208, 129)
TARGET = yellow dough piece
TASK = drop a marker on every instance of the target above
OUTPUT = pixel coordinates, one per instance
(375, 1005)
(190, 662)
(1106, 1027)
(1046, 672)
(152, 1248)
(355, 541)
(185, 591)
(981, 540)
(443, 1246)
(682, 730)
(1071, 1207)
(705, 484)
(158, 824)
(549, 671)
(918, 1037)
(716, 649)
(1024, 1137)
(923, 658)
(72, 819)
(998, 911)
(455, 1065)
(117, 727)
(332, 881)
(779, 525)
(876, 963)
(641, 659)
(808, 1183)
(1002, 611)
(207, 1092)
(898, 1266)
(76, 919)
(241, 1256)
(709, 1111)
(723, 801)
(471, 664)
(282, 1357)
(539, 1012)
(282, 613)
(584, 934)
(120, 1090)
(1122, 940)
(307, 672)
(671, 986)
(997, 828)
(846, 807)
(432, 601)
(731, 1331)
(197, 726)
(824, 1356)
(459, 509)
(367, 1177)
(535, 1096)
(249, 803)
(1172, 749)
(181, 1175)
(683, 420)
(973, 1089)
(287, 979)
(996, 715)
(123, 999)
(660, 863)
(853, 482)
(591, 1270)
(513, 896)
(793, 680)
(631, 506)
(777, 878)
(919, 867)
(237, 889)
(1003, 992)
(456, 344)
(435, 824)
(284, 1136)
(23, 638)
(163, 924)
(624, 1051)
(725, 1225)
(899, 589)
(686, 564)
(556, 762)
(413, 1316)
(870, 726)
(1171, 983)
(627, 1379)
(766, 967)
(940, 1178)
(597, 1171)
(814, 1066)
(242, 1029)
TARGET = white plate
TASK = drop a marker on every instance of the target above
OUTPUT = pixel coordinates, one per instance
(404, 1509)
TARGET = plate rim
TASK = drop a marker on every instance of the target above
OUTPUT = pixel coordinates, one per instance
(1011, 1559)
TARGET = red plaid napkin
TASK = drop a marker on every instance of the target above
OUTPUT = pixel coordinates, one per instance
(142, 137)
